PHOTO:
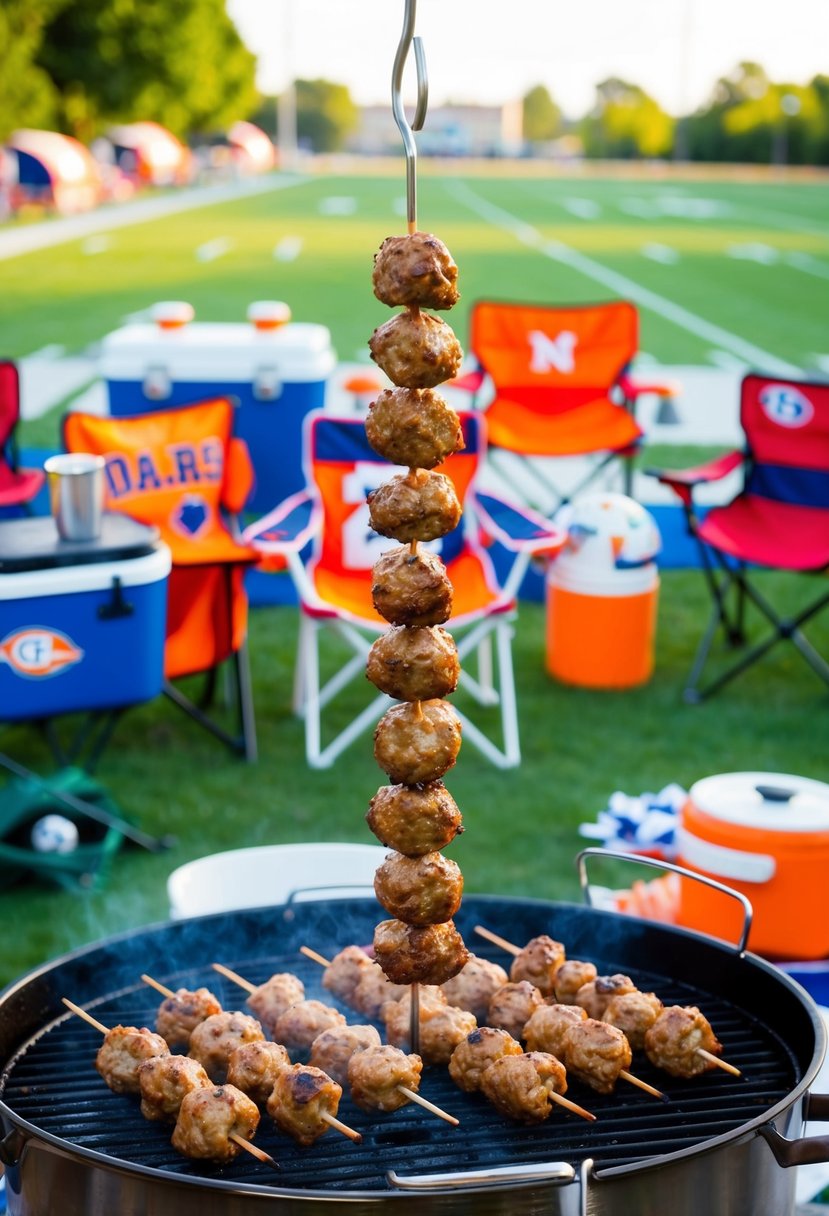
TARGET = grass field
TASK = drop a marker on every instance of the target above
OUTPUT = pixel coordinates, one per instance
(721, 270)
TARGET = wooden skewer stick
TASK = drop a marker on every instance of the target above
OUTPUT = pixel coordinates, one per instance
(341, 1127)
(723, 1064)
(258, 1153)
(436, 1110)
(498, 941)
(317, 958)
(162, 988)
(649, 1089)
(573, 1106)
(232, 975)
(87, 1017)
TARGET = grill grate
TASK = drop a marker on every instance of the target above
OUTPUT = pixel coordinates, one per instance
(52, 1084)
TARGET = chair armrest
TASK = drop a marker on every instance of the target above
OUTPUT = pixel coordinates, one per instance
(517, 528)
(238, 476)
(683, 481)
(288, 528)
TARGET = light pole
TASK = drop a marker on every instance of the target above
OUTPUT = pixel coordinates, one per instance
(286, 102)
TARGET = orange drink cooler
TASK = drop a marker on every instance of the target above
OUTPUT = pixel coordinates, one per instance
(767, 836)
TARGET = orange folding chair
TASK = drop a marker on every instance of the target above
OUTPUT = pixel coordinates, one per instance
(184, 472)
(333, 579)
(555, 383)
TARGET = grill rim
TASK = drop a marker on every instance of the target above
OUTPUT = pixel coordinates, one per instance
(288, 912)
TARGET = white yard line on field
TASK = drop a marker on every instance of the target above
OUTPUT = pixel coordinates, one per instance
(16, 241)
(614, 281)
(808, 264)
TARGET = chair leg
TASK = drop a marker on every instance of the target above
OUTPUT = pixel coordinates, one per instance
(247, 715)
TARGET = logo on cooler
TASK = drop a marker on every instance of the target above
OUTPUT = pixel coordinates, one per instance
(786, 405)
(37, 654)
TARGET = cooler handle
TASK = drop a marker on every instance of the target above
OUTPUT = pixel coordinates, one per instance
(775, 793)
(557, 1172)
(657, 864)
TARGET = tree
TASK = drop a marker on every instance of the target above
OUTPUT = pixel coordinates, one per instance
(541, 120)
(325, 114)
(626, 122)
(181, 63)
(28, 97)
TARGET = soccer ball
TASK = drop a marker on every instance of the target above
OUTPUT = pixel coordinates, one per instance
(54, 834)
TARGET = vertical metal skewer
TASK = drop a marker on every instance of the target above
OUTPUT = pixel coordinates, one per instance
(414, 1018)
(407, 130)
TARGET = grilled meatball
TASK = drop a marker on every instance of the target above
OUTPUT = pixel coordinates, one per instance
(413, 427)
(178, 1015)
(271, 999)
(253, 1068)
(299, 1026)
(416, 269)
(419, 890)
(417, 505)
(595, 995)
(332, 1050)
(410, 955)
(475, 985)
(214, 1039)
(596, 1053)
(344, 972)
(208, 1118)
(414, 664)
(374, 990)
(512, 1006)
(674, 1039)
(548, 1025)
(442, 1027)
(634, 1013)
(411, 588)
(301, 1096)
(416, 350)
(416, 744)
(571, 976)
(122, 1053)
(163, 1082)
(414, 819)
(519, 1086)
(538, 963)
(474, 1055)
(376, 1074)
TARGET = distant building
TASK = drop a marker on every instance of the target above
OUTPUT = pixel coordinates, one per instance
(450, 130)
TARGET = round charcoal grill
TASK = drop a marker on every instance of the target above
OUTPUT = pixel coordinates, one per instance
(69, 1139)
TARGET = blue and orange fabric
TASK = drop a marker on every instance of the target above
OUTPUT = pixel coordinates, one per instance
(343, 469)
(553, 370)
(781, 519)
(17, 486)
(180, 470)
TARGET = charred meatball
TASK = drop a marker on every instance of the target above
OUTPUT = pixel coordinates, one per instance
(344, 972)
(178, 1015)
(271, 999)
(596, 1053)
(209, 1117)
(474, 1055)
(374, 990)
(418, 505)
(300, 1099)
(519, 1086)
(414, 664)
(214, 1039)
(253, 1068)
(123, 1051)
(419, 890)
(595, 995)
(538, 963)
(410, 955)
(571, 976)
(332, 1050)
(633, 1013)
(442, 1026)
(411, 588)
(413, 427)
(548, 1025)
(416, 269)
(417, 743)
(415, 819)
(164, 1081)
(416, 350)
(299, 1026)
(376, 1075)
(475, 985)
(674, 1040)
(512, 1006)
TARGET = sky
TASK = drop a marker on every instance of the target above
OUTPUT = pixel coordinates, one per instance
(492, 51)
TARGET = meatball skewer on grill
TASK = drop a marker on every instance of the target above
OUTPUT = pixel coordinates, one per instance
(304, 1103)
(523, 1087)
(271, 999)
(682, 1042)
(356, 979)
(600, 1055)
(252, 1067)
(216, 1038)
(182, 1011)
(386, 1078)
(299, 1023)
(538, 962)
(123, 1051)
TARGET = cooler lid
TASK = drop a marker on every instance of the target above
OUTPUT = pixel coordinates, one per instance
(33, 543)
(778, 802)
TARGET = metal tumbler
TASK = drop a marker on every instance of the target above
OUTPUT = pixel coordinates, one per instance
(76, 492)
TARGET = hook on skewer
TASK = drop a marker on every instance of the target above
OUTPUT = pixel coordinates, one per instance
(408, 39)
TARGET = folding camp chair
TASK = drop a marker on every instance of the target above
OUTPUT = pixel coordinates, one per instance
(182, 470)
(778, 521)
(18, 487)
(334, 583)
(558, 385)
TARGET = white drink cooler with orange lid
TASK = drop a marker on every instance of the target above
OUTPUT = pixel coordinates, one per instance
(767, 836)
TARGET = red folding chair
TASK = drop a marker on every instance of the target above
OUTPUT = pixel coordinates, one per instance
(778, 521)
(18, 487)
(558, 384)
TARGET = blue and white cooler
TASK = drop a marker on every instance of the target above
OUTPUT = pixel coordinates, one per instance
(275, 369)
(82, 624)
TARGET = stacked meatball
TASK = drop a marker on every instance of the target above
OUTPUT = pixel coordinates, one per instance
(415, 661)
